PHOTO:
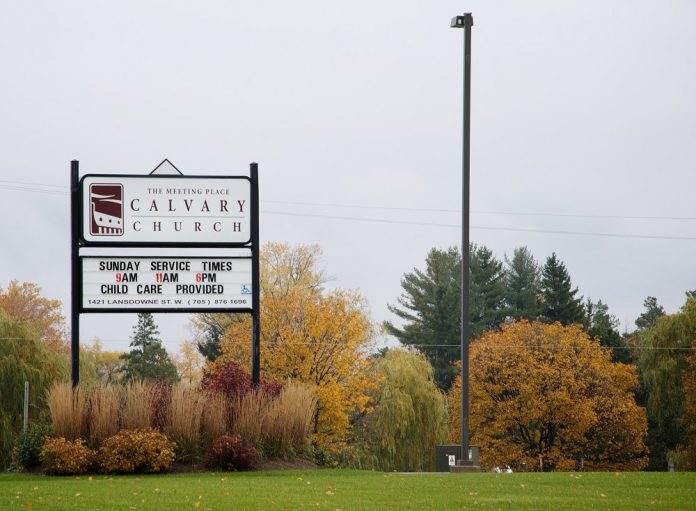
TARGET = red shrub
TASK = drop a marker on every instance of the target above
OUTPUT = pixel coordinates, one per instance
(232, 380)
(230, 453)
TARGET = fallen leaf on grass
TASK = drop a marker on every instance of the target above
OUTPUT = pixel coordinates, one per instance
(89, 478)
(78, 494)
(329, 491)
(26, 504)
(197, 504)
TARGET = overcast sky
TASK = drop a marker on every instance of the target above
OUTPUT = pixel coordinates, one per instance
(578, 108)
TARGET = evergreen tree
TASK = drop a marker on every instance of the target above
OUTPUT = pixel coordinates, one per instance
(558, 297)
(487, 290)
(653, 311)
(601, 325)
(431, 300)
(522, 286)
(148, 359)
(429, 306)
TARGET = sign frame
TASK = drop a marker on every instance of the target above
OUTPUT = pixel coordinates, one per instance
(78, 242)
(162, 244)
(169, 310)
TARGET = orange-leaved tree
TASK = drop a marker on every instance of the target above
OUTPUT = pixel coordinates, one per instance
(310, 335)
(24, 302)
(547, 397)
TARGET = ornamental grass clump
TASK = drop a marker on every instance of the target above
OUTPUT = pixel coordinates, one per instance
(140, 450)
(137, 406)
(184, 425)
(214, 421)
(278, 426)
(104, 408)
(63, 457)
(68, 407)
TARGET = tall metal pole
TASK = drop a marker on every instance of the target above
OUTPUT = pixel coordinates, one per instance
(75, 272)
(255, 284)
(466, 21)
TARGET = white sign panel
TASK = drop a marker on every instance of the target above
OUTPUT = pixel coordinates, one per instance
(166, 283)
(166, 209)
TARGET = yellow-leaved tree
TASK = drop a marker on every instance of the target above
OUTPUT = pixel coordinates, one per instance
(308, 334)
(24, 302)
(547, 397)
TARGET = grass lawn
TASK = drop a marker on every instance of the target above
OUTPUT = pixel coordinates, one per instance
(350, 490)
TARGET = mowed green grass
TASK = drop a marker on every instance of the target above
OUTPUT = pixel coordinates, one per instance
(351, 490)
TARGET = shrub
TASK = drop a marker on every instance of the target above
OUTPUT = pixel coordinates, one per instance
(63, 457)
(228, 378)
(230, 453)
(27, 450)
(232, 380)
(68, 407)
(139, 450)
(104, 406)
(184, 425)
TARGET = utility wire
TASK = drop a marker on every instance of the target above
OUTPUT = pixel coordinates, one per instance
(486, 228)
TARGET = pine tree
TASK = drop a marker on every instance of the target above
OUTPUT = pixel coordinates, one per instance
(653, 311)
(148, 359)
(522, 286)
(429, 306)
(558, 297)
(487, 293)
(431, 300)
(603, 326)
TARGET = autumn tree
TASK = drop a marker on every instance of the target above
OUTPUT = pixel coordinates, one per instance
(310, 335)
(24, 302)
(189, 362)
(408, 414)
(522, 285)
(23, 357)
(147, 359)
(558, 298)
(107, 364)
(547, 398)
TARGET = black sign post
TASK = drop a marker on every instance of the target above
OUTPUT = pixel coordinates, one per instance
(103, 225)
(255, 284)
(75, 290)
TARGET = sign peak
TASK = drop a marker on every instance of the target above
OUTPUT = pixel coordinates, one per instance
(166, 168)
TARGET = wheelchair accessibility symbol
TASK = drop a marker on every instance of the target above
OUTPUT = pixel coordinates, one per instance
(246, 290)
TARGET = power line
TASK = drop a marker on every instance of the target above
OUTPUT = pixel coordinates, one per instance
(485, 228)
(484, 212)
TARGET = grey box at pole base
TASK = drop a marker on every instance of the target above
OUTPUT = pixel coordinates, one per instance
(447, 455)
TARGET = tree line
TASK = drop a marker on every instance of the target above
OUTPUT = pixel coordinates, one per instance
(661, 350)
(499, 290)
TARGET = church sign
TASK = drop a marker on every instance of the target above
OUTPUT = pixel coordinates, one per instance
(154, 210)
(199, 235)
